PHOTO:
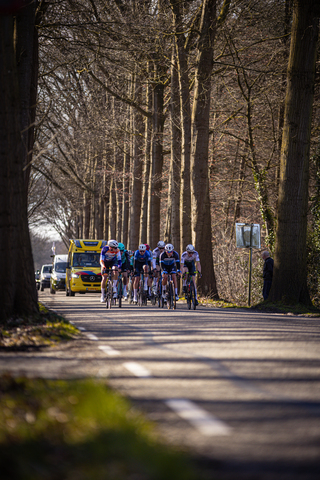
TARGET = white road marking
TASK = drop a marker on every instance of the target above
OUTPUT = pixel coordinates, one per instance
(203, 421)
(137, 369)
(81, 328)
(109, 350)
(92, 337)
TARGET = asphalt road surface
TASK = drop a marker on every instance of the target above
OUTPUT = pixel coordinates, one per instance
(239, 389)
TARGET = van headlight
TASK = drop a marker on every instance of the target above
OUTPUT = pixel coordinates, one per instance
(75, 275)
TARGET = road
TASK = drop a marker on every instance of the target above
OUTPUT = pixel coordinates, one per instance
(240, 389)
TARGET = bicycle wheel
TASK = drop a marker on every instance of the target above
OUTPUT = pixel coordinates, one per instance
(193, 295)
(130, 289)
(174, 301)
(109, 294)
(119, 292)
(189, 296)
(159, 293)
(169, 297)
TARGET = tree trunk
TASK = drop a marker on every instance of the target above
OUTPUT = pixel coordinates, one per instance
(172, 233)
(144, 233)
(136, 191)
(17, 288)
(157, 160)
(125, 188)
(200, 199)
(185, 113)
(290, 271)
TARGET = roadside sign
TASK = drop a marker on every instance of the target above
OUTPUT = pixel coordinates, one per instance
(248, 235)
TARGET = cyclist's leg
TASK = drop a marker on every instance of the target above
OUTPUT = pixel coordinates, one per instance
(115, 275)
(125, 283)
(146, 277)
(104, 277)
(164, 282)
(136, 283)
(175, 283)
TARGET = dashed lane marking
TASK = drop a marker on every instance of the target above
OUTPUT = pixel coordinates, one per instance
(109, 350)
(92, 337)
(202, 420)
(137, 369)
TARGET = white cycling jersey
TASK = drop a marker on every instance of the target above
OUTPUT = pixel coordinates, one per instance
(155, 254)
(185, 257)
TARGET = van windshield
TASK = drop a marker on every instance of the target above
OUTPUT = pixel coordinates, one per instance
(60, 267)
(47, 269)
(86, 259)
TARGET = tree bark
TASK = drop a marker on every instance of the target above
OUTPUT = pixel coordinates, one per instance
(17, 288)
(157, 159)
(185, 114)
(290, 272)
(136, 190)
(200, 199)
(172, 232)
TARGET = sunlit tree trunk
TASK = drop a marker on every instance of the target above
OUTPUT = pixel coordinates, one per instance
(136, 171)
(290, 271)
(157, 157)
(200, 199)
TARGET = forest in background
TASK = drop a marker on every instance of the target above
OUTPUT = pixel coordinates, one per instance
(97, 124)
(117, 84)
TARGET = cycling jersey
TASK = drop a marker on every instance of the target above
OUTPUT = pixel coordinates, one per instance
(155, 257)
(110, 258)
(143, 258)
(185, 257)
(125, 260)
(169, 262)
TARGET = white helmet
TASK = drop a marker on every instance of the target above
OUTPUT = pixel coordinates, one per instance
(113, 243)
(161, 244)
(142, 247)
(190, 248)
(169, 247)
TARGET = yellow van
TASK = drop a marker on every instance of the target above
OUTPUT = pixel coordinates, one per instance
(83, 272)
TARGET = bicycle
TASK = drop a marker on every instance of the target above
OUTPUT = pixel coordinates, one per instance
(109, 290)
(142, 294)
(119, 291)
(190, 293)
(171, 297)
(130, 288)
(159, 293)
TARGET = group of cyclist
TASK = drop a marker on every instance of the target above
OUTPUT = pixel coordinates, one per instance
(163, 260)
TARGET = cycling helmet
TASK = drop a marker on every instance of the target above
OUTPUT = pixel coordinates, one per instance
(161, 244)
(190, 248)
(148, 246)
(121, 247)
(113, 243)
(130, 253)
(169, 247)
(142, 247)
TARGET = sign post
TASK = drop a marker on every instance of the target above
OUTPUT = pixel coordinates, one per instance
(248, 236)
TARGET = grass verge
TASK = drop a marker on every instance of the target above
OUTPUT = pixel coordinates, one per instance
(45, 329)
(79, 430)
(298, 309)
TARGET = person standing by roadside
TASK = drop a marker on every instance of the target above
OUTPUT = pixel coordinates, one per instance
(267, 274)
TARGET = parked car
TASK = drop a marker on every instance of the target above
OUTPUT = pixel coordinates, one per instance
(58, 275)
(45, 275)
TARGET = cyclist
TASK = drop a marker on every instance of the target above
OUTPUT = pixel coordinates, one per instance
(110, 257)
(169, 263)
(155, 263)
(141, 261)
(125, 267)
(189, 259)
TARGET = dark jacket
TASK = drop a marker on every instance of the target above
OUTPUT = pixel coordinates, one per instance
(268, 268)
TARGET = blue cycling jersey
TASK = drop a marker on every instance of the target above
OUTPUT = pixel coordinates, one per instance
(144, 258)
